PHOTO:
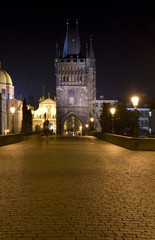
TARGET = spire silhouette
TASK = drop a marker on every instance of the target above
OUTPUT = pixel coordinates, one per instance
(91, 52)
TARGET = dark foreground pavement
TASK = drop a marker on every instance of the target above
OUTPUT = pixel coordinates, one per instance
(76, 189)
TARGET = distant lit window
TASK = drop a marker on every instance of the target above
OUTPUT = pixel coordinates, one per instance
(150, 114)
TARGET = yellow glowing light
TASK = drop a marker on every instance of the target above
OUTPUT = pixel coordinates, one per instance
(12, 109)
(87, 125)
(92, 119)
(135, 101)
(112, 110)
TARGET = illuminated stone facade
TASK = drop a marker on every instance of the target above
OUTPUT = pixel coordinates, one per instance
(75, 81)
(47, 108)
(9, 121)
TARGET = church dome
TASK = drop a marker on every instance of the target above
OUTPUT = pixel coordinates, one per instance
(5, 77)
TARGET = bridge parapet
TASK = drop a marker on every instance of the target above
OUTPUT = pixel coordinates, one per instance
(132, 143)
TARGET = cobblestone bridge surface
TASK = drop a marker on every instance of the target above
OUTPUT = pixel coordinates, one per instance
(76, 189)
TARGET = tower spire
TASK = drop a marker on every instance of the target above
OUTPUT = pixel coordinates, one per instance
(86, 50)
(77, 36)
(65, 50)
(72, 42)
(57, 51)
(91, 52)
(43, 93)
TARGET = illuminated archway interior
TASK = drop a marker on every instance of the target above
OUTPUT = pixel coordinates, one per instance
(72, 126)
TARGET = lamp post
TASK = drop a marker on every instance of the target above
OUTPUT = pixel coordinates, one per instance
(92, 119)
(91, 127)
(135, 101)
(112, 110)
(87, 126)
(12, 110)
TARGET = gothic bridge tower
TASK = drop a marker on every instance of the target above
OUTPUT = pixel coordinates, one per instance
(75, 85)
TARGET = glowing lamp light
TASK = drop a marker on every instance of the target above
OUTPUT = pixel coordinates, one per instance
(12, 109)
(135, 101)
(92, 119)
(87, 125)
(112, 110)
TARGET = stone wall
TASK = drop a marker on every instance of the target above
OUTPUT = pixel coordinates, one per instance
(142, 144)
(12, 138)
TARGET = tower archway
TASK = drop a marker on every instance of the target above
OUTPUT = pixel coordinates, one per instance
(71, 125)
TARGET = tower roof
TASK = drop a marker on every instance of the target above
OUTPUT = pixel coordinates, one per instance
(72, 41)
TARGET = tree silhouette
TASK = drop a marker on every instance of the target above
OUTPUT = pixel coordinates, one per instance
(124, 120)
(27, 119)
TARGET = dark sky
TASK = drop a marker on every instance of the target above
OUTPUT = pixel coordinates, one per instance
(123, 39)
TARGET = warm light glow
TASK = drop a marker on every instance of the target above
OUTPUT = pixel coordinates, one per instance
(112, 110)
(135, 101)
(12, 109)
(92, 119)
(87, 125)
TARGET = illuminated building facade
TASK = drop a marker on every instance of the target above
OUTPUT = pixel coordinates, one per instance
(9, 121)
(75, 84)
(46, 110)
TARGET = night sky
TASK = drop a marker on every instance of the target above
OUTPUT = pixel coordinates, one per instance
(123, 39)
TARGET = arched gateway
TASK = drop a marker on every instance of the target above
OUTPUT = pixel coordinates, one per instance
(71, 125)
(75, 84)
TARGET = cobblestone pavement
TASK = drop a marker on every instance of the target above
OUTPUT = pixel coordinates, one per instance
(76, 189)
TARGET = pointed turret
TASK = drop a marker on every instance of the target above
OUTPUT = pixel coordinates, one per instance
(43, 92)
(57, 51)
(65, 50)
(86, 50)
(91, 52)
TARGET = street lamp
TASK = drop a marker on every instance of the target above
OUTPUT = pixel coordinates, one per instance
(87, 126)
(91, 126)
(12, 110)
(92, 119)
(135, 101)
(112, 110)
